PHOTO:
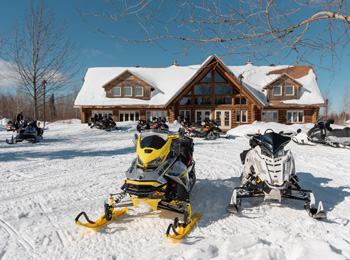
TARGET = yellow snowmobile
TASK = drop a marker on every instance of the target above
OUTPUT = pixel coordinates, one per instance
(162, 176)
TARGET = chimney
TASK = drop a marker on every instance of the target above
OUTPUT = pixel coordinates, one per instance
(137, 66)
(249, 62)
(272, 65)
(175, 63)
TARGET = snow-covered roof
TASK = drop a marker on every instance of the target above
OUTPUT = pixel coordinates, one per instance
(168, 82)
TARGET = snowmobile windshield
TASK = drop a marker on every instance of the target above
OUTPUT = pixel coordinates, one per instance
(272, 141)
(152, 141)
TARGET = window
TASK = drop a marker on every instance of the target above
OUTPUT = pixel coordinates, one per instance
(189, 93)
(102, 113)
(207, 78)
(277, 91)
(237, 101)
(185, 101)
(202, 101)
(289, 90)
(202, 90)
(128, 91)
(295, 116)
(185, 115)
(201, 115)
(218, 77)
(129, 116)
(117, 91)
(223, 90)
(222, 101)
(157, 114)
(244, 115)
(139, 92)
(270, 116)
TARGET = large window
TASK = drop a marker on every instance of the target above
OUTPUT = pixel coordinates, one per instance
(207, 77)
(270, 116)
(289, 90)
(185, 101)
(277, 90)
(129, 116)
(223, 90)
(218, 77)
(117, 91)
(295, 116)
(223, 101)
(138, 91)
(101, 114)
(243, 115)
(202, 101)
(128, 91)
(202, 90)
(238, 99)
(156, 114)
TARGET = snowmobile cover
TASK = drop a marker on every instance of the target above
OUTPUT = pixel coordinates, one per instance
(272, 141)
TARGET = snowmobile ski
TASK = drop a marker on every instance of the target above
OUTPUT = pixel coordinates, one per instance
(96, 225)
(184, 229)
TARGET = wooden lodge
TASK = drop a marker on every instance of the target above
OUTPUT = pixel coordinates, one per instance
(231, 95)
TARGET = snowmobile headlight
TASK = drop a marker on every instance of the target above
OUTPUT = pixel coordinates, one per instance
(156, 161)
(139, 161)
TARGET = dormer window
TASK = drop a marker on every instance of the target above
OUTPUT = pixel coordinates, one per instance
(138, 91)
(127, 91)
(289, 90)
(117, 91)
(277, 90)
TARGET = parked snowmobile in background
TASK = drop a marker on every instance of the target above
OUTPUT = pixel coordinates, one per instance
(207, 130)
(105, 123)
(10, 126)
(142, 125)
(28, 131)
(269, 172)
(324, 134)
(158, 123)
(162, 176)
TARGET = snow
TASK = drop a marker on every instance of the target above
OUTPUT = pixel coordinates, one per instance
(44, 186)
(168, 82)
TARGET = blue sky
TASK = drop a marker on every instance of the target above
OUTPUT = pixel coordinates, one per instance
(98, 50)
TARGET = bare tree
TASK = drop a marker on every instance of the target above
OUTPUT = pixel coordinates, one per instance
(346, 104)
(263, 28)
(41, 54)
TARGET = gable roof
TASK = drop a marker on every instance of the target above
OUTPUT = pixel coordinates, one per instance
(168, 82)
(127, 72)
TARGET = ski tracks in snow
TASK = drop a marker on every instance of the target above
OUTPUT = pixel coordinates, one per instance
(23, 240)
(61, 235)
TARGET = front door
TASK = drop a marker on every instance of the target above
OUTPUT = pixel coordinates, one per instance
(223, 119)
(201, 115)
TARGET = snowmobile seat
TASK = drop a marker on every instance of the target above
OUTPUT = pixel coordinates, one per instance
(340, 132)
(184, 147)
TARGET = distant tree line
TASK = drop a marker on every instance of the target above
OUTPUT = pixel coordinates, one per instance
(57, 107)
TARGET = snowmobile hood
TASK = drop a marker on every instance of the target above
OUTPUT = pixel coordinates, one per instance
(272, 141)
(153, 148)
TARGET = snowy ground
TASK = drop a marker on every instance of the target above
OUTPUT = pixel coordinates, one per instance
(44, 186)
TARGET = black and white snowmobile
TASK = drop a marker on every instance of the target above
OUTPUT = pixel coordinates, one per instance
(28, 131)
(324, 134)
(269, 172)
(162, 176)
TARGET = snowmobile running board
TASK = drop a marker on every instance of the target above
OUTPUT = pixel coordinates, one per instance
(184, 230)
(96, 225)
(316, 213)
